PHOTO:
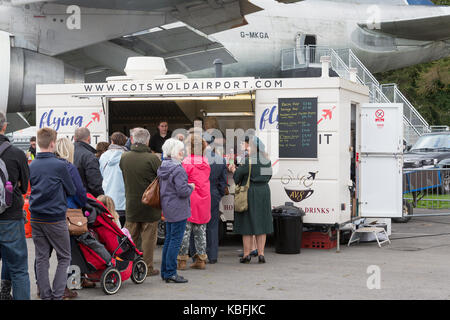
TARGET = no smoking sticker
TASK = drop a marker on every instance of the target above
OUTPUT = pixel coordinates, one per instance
(379, 118)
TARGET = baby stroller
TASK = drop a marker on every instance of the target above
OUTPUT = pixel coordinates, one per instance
(105, 254)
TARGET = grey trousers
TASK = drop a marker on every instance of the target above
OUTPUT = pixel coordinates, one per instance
(45, 237)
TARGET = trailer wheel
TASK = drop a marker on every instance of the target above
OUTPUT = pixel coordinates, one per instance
(407, 213)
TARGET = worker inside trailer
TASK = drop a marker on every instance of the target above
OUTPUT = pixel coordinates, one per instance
(160, 136)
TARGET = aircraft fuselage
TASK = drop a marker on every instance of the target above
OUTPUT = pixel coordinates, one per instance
(257, 46)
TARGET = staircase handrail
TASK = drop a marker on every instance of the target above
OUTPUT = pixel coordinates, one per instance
(410, 106)
(376, 89)
(363, 67)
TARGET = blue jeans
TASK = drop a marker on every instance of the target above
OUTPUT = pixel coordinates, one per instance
(172, 244)
(14, 253)
(5, 270)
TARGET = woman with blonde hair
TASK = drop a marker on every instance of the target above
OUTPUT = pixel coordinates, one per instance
(65, 151)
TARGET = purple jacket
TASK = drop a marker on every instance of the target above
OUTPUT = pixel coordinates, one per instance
(174, 191)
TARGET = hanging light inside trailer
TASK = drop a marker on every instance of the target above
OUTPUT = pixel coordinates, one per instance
(228, 114)
(152, 97)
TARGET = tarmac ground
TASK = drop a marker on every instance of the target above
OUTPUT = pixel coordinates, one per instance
(414, 266)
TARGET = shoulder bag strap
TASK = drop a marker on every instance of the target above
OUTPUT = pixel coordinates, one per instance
(4, 177)
(249, 171)
(5, 145)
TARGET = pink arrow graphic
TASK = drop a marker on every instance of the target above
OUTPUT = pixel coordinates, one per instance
(95, 118)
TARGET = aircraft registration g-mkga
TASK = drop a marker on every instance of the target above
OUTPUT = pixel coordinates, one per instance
(63, 41)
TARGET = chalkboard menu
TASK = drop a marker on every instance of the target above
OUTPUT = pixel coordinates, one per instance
(297, 125)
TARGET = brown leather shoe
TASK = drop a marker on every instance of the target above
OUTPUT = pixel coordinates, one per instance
(69, 294)
(182, 262)
(181, 265)
(151, 273)
(200, 262)
(87, 284)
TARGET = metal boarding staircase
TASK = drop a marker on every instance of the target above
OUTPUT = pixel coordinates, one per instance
(342, 61)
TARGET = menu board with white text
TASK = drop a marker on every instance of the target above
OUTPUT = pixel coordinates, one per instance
(297, 125)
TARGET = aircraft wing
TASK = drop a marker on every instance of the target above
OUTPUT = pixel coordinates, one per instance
(183, 49)
(208, 16)
(433, 28)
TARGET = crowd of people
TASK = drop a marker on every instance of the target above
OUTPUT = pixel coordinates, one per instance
(192, 178)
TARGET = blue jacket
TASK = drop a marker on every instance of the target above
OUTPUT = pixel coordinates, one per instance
(218, 176)
(174, 191)
(113, 184)
(51, 183)
(79, 199)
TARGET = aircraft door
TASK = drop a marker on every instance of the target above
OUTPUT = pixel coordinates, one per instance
(305, 45)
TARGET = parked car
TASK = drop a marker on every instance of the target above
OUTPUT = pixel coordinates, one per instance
(432, 150)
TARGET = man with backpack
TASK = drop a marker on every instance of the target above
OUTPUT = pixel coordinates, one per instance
(14, 174)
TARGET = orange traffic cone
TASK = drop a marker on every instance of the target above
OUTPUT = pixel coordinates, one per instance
(26, 207)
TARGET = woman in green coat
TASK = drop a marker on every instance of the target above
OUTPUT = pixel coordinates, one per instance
(257, 220)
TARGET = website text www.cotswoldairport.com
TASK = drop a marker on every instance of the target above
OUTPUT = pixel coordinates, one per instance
(187, 85)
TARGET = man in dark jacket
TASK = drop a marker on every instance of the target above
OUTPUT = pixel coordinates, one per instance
(218, 183)
(139, 169)
(51, 183)
(87, 163)
(13, 245)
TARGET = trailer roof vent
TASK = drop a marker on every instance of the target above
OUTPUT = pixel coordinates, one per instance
(145, 68)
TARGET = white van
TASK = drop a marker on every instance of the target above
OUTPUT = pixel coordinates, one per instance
(333, 154)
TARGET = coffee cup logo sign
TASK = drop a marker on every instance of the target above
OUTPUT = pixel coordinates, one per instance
(305, 181)
(298, 195)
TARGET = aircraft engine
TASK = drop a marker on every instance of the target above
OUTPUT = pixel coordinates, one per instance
(25, 69)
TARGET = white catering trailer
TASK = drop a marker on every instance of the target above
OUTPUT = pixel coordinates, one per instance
(333, 154)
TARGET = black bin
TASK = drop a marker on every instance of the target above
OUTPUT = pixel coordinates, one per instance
(288, 227)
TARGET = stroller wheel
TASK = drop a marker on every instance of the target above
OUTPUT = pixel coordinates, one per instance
(111, 280)
(139, 273)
